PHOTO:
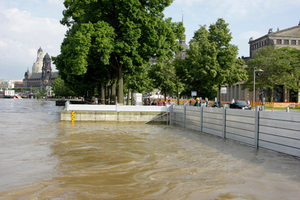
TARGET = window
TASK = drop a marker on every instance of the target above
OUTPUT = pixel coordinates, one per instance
(286, 41)
(298, 42)
(265, 42)
(293, 42)
(279, 41)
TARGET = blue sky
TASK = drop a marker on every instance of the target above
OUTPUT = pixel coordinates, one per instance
(25, 25)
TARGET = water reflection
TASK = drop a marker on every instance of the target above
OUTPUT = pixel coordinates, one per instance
(122, 161)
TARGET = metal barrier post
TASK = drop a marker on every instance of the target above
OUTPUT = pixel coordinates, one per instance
(201, 119)
(171, 114)
(256, 135)
(67, 105)
(184, 116)
(287, 109)
(224, 123)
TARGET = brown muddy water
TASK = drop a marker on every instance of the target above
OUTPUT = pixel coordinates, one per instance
(43, 158)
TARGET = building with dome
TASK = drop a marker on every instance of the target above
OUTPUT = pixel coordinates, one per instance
(42, 75)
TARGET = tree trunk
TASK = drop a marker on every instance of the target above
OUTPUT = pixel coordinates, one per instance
(272, 94)
(132, 91)
(120, 86)
(178, 95)
(219, 95)
(113, 92)
(128, 96)
(107, 94)
(102, 94)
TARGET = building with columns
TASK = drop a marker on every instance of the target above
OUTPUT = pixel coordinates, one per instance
(42, 75)
(281, 38)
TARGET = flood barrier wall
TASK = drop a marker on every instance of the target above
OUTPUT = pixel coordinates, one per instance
(278, 131)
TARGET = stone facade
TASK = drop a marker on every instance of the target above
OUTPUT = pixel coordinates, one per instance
(182, 54)
(287, 37)
(37, 66)
(40, 77)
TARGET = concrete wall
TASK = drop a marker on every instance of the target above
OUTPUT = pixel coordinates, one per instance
(277, 131)
(112, 116)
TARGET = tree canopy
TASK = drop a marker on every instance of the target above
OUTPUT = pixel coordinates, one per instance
(281, 66)
(109, 38)
(212, 61)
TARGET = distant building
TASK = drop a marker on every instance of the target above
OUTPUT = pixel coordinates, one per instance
(42, 75)
(182, 54)
(281, 38)
(6, 84)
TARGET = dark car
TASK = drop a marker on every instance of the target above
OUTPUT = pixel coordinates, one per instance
(240, 105)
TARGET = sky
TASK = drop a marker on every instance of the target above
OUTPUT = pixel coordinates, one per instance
(25, 25)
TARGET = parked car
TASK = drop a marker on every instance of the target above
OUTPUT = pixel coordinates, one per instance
(240, 105)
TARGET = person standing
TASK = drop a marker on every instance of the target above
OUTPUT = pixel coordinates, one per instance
(159, 103)
(206, 102)
(154, 103)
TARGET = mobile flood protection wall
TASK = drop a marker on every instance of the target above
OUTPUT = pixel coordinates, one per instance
(115, 113)
(277, 131)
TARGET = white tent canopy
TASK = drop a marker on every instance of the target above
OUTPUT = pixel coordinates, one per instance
(156, 96)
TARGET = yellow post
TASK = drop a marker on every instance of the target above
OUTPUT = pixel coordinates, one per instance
(73, 116)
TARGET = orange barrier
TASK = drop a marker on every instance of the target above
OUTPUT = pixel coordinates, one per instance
(257, 103)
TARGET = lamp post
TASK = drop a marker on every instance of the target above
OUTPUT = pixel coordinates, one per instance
(255, 70)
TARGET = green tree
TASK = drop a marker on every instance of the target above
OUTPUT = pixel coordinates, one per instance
(164, 77)
(199, 69)
(229, 68)
(281, 66)
(114, 36)
(212, 60)
(60, 89)
(41, 93)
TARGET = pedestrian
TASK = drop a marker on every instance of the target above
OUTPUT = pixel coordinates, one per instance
(197, 103)
(159, 103)
(232, 101)
(154, 103)
(206, 101)
(169, 102)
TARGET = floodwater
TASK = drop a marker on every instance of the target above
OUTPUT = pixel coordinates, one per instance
(43, 158)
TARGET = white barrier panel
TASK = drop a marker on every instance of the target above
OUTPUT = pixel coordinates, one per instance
(116, 108)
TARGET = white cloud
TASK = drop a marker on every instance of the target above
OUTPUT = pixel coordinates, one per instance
(249, 34)
(236, 9)
(3, 44)
(20, 37)
(58, 3)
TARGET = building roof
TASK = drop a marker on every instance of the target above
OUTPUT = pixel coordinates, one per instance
(39, 75)
(47, 56)
(36, 76)
(292, 31)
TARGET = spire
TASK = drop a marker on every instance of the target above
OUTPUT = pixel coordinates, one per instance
(182, 16)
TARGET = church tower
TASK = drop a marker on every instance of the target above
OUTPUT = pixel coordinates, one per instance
(37, 66)
(46, 72)
(182, 54)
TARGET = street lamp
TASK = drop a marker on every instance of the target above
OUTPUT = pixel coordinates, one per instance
(255, 70)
